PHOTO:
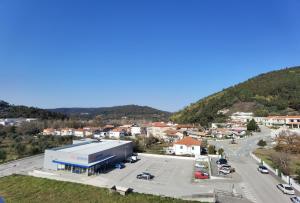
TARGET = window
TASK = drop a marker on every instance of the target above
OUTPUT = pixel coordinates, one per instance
(181, 147)
(192, 148)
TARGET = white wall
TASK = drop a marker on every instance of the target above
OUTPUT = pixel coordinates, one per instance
(113, 134)
(184, 149)
(135, 130)
(286, 179)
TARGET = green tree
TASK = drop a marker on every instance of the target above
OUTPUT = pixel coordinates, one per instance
(262, 143)
(298, 175)
(261, 112)
(220, 151)
(252, 126)
(20, 148)
(212, 149)
(2, 155)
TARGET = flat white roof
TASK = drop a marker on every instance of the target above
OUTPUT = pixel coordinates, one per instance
(92, 147)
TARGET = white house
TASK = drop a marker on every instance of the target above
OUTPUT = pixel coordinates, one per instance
(67, 132)
(116, 133)
(187, 146)
(157, 129)
(135, 130)
(242, 117)
(79, 133)
(278, 121)
(48, 131)
(260, 120)
(101, 134)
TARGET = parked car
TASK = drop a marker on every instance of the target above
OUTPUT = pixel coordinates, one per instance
(201, 175)
(263, 169)
(295, 199)
(203, 151)
(286, 189)
(120, 165)
(132, 159)
(224, 171)
(221, 161)
(227, 167)
(145, 176)
(197, 165)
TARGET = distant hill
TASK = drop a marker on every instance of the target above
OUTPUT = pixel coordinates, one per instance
(12, 111)
(276, 92)
(134, 112)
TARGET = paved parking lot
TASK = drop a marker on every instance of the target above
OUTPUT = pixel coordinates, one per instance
(173, 177)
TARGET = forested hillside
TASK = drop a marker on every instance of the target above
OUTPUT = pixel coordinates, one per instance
(11, 111)
(276, 92)
(116, 112)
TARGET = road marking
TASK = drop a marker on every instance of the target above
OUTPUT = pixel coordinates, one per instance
(248, 192)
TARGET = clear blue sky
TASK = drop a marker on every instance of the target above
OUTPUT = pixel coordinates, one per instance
(161, 53)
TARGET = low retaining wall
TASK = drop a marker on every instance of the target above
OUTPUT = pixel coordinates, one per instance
(284, 178)
(166, 156)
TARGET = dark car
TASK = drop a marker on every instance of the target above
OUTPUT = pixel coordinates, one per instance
(295, 199)
(221, 161)
(145, 176)
(203, 151)
(120, 165)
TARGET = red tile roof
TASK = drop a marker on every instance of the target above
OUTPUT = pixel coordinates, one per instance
(282, 117)
(171, 132)
(159, 124)
(188, 141)
(184, 126)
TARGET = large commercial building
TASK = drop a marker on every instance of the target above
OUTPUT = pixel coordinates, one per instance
(87, 157)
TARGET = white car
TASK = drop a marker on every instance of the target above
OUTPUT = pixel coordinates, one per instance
(295, 199)
(263, 169)
(197, 165)
(286, 189)
(224, 171)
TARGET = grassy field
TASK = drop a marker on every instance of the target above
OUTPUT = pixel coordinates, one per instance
(266, 155)
(18, 188)
(157, 148)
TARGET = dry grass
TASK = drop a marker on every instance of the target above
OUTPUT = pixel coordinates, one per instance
(266, 155)
(18, 188)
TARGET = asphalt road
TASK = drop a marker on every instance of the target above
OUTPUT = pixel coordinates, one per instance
(22, 166)
(258, 188)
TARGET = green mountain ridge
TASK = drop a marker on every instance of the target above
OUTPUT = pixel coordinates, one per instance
(16, 111)
(134, 112)
(272, 93)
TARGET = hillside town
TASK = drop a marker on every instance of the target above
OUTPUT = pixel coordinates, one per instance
(149, 101)
(209, 148)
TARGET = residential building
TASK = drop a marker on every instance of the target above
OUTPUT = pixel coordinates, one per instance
(242, 117)
(15, 121)
(67, 132)
(117, 133)
(187, 146)
(171, 135)
(278, 121)
(157, 129)
(79, 132)
(48, 131)
(135, 130)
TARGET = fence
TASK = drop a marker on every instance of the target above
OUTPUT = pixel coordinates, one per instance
(286, 179)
